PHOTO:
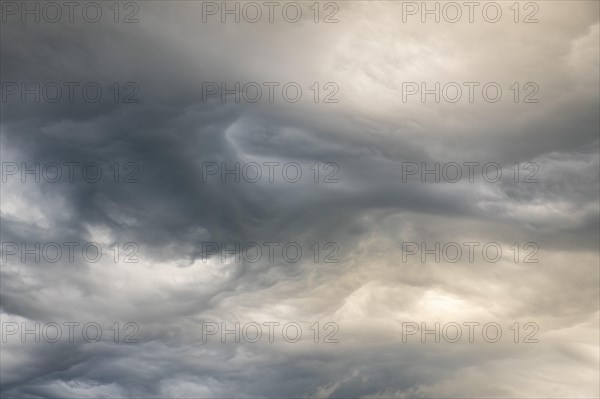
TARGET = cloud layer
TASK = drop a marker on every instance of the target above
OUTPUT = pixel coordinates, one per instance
(358, 190)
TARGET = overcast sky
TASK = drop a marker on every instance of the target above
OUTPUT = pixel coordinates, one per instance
(335, 173)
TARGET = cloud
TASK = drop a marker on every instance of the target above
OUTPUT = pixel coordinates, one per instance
(353, 203)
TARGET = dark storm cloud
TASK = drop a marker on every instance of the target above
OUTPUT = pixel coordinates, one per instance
(171, 133)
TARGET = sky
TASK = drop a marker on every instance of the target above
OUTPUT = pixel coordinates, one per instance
(349, 199)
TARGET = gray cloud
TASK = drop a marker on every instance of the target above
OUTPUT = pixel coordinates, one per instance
(370, 134)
